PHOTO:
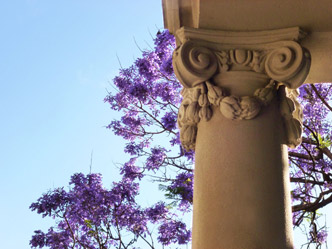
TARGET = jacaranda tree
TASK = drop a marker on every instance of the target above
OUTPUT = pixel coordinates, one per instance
(147, 94)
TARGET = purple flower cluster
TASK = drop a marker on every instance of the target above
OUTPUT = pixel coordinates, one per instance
(131, 171)
(148, 66)
(173, 232)
(148, 87)
(156, 159)
(51, 201)
(169, 120)
(164, 45)
(321, 236)
(157, 212)
(182, 189)
(38, 239)
(90, 216)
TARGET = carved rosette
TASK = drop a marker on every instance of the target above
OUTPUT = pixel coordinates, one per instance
(197, 61)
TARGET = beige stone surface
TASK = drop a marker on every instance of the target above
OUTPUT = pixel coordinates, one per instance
(241, 184)
(248, 15)
(320, 46)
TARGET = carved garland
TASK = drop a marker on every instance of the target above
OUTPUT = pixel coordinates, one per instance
(195, 66)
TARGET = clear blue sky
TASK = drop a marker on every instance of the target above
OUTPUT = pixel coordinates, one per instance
(57, 58)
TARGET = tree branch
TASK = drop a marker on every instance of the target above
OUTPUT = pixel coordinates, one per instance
(320, 97)
(311, 207)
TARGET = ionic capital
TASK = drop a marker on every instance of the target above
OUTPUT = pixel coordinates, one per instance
(270, 63)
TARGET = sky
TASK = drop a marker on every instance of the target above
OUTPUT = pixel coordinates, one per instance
(57, 61)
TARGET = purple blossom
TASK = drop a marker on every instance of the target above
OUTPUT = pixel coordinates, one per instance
(139, 91)
(135, 149)
(38, 239)
(182, 187)
(132, 148)
(190, 155)
(169, 120)
(157, 212)
(156, 159)
(50, 202)
(322, 236)
(131, 171)
(167, 67)
(169, 93)
(176, 140)
(173, 232)
(148, 65)
(164, 44)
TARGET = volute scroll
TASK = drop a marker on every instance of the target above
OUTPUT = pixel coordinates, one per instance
(197, 62)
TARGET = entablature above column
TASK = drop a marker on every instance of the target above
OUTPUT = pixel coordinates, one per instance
(256, 15)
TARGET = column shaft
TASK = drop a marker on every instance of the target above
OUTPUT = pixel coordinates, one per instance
(241, 185)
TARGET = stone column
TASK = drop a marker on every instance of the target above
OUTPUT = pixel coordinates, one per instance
(239, 113)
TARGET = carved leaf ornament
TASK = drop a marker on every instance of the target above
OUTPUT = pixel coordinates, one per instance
(195, 64)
